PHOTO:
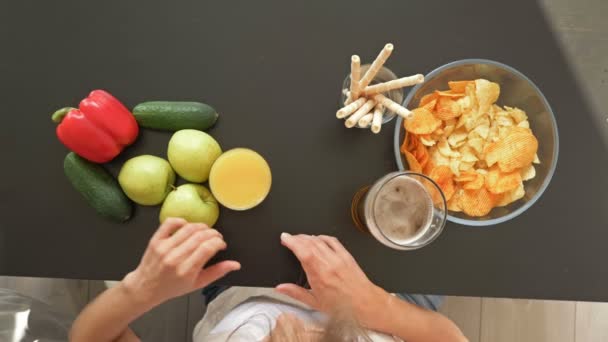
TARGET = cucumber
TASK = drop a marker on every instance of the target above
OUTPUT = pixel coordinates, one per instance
(98, 187)
(175, 115)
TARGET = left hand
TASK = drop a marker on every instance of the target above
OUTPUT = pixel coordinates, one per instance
(173, 262)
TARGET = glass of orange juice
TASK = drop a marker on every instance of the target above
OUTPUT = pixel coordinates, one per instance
(240, 179)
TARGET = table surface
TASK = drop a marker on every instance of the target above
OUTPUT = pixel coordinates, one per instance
(273, 70)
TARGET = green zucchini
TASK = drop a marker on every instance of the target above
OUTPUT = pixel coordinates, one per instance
(175, 115)
(99, 188)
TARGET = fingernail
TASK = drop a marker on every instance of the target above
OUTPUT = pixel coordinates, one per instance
(285, 236)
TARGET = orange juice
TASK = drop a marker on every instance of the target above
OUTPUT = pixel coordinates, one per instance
(240, 179)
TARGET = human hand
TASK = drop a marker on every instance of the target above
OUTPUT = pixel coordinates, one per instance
(335, 278)
(173, 262)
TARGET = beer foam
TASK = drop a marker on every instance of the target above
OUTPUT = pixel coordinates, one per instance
(402, 208)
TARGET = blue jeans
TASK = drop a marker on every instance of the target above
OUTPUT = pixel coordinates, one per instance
(430, 302)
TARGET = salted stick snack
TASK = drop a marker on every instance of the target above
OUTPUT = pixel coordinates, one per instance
(394, 84)
(376, 66)
(353, 119)
(355, 76)
(377, 118)
(393, 106)
(365, 120)
(351, 108)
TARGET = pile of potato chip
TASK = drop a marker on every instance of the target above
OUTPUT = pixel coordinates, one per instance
(476, 151)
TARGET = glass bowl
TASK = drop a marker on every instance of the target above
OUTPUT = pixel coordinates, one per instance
(516, 90)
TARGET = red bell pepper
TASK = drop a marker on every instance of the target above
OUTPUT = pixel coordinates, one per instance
(99, 129)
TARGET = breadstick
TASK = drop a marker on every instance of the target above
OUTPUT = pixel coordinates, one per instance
(394, 84)
(355, 76)
(349, 109)
(393, 106)
(377, 119)
(353, 119)
(365, 120)
(376, 65)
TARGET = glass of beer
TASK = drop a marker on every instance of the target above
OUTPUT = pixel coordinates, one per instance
(402, 210)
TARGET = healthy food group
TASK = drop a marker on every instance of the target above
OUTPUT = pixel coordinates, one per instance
(101, 127)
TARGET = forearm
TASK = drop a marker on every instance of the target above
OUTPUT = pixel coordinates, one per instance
(107, 318)
(412, 323)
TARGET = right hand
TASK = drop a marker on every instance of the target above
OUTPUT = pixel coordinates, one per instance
(335, 278)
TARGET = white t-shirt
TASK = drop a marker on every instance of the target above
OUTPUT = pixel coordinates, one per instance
(254, 319)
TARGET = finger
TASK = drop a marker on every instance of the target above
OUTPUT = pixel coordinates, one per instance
(184, 250)
(336, 246)
(326, 254)
(182, 235)
(301, 248)
(215, 272)
(167, 228)
(298, 293)
(203, 253)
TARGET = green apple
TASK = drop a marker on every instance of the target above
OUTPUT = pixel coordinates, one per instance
(191, 154)
(192, 202)
(146, 179)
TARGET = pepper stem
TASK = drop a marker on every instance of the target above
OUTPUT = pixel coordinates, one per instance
(58, 116)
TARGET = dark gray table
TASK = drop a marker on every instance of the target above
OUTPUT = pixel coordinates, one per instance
(273, 69)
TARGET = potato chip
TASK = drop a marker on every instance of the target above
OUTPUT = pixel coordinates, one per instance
(468, 154)
(487, 93)
(437, 158)
(512, 196)
(514, 151)
(504, 121)
(406, 146)
(445, 149)
(493, 134)
(458, 86)
(449, 93)
(477, 203)
(413, 164)
(503, 132)
(482, 130)
(428, 167)
(466, 166)
(465, 120)
(454, 202)
(536, 160)
(465, 104)
(428, 98)
(476, 144)
(447, 108)
(466, 176)
(443, 176)
(524, 124)
(457, 138)
(455, 166)
(427, 140)
(528, 172)
(422, 121)
(476, 183)
(431, 105)
(496, 110)
(449, 127)
(421, 154)
(516, 114)
(499, 182)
